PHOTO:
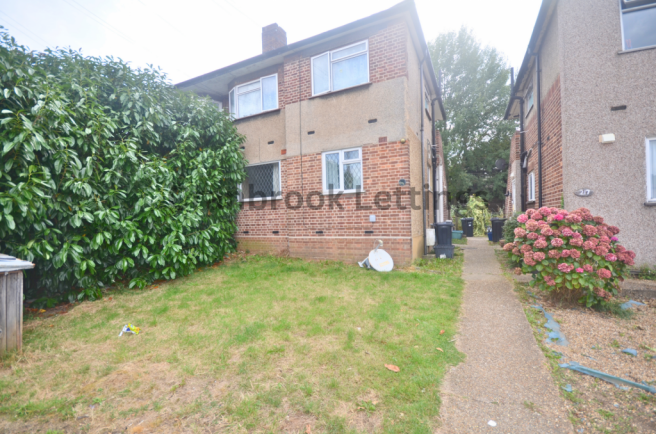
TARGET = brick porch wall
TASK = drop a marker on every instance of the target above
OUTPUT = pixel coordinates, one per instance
(343, 229)
(552, 149)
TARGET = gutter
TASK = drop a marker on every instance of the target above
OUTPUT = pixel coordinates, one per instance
(423, 163)
(538, 67)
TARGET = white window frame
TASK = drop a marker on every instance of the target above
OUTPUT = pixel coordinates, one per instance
(330, 66)
(341, 171)
(258, 199)
(234, 95)
(531, 187)
(530, 92)
(513, 198)
(650, 169)
(625, 11)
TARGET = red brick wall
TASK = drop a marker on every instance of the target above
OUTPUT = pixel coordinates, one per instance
(552, 150)
(388, 59)
(343, 237)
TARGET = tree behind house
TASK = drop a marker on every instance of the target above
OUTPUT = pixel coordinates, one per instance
(475, 93)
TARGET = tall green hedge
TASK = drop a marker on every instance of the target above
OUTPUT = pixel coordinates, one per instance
(109, 173)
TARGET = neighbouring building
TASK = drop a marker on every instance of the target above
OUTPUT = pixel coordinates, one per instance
(340, 139)
(585, 98)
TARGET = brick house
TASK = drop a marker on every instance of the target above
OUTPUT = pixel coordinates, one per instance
(340, 142)
(585, 98)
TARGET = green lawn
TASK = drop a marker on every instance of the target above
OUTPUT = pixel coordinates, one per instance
(260, 344)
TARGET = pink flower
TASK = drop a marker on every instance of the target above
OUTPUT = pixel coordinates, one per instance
(604, 239)
(578, 242)
(508, 247)
(588, 245)
(516, 251)
(532, 236)
(517, 271)
(575, 254)
(553, 210)
(614, 238)
(567, 232)
(611, 258)
(549, 281)
(540, 244)
(526, 248)
(573, 218)
(588, 268)
(577, 235)
(565, 268)
(522, 218)
(614, 230)
(530, 211)
(600, 251)
(550, 219)
(547, 231)
(589, 230)
(559, 217)
(554, 254)
(538, 256)
(604, 273)
(520, 233)
(531, 225)
(530, 262)
(564, 212)
(603, 294)
(536, 216)
(598, 220)
(542, 237)
(557, 242)
(565, 253)
(579, 270)
(545, 210)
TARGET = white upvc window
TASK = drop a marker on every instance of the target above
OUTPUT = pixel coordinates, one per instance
(529, 99)
(513, 199)
(531, 187)
(651, 169)
(262, 182)
(342, 171)
(340, 69)
(254, 97)
(638, 18)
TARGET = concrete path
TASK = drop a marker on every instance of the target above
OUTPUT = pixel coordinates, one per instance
(505, 377)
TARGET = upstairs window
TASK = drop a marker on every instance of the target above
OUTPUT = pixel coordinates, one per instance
(255, 97)
(342, 171)
(262, 182)
(529, 100)
(531, 187)
(638, 24)
(339, 69)
(651, 170)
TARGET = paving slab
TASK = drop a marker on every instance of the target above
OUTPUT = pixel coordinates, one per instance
(505, 377)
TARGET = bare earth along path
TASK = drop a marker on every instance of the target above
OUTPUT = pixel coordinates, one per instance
(505, 377)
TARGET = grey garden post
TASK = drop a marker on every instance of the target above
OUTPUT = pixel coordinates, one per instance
(11, 302)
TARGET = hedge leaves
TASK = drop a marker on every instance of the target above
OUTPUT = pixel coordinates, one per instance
(110, 174)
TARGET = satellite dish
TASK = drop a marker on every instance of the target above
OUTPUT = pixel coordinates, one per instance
(378, 259)
(501, 164)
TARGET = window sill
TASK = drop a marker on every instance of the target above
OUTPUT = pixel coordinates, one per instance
(530, 202)
(341, 90)
(633, 50)
(650, 203)
(260, 199)
(336, 192)
(257, 114)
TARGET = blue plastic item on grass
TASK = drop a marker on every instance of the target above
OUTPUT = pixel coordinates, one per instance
(630, 351)
(617, 381)
(568, 388)
(629, 304)
(555, 329)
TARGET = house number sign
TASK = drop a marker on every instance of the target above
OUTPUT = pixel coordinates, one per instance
(584, 192)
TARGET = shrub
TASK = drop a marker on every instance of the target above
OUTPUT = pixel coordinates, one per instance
(509, 227)
(477, 208)
(110, 174)
(572, 255)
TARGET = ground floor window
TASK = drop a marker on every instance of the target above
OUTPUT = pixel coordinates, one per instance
(342, 171)
(651, 170)
(262, 182)
(531, 187)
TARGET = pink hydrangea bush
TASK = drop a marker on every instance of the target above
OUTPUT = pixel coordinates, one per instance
(570, 254)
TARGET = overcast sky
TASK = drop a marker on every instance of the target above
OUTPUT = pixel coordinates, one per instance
(191, 37)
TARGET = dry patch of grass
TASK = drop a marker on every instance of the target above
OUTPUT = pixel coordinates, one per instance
(261, 344)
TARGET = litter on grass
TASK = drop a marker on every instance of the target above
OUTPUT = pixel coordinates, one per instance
(129, 328)
(630, 351)
(617, 381)
(629, 304)
(492, 423)
(567, 388)
(555, 329)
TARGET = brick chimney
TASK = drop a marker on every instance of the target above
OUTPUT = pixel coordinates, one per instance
(273, 36)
